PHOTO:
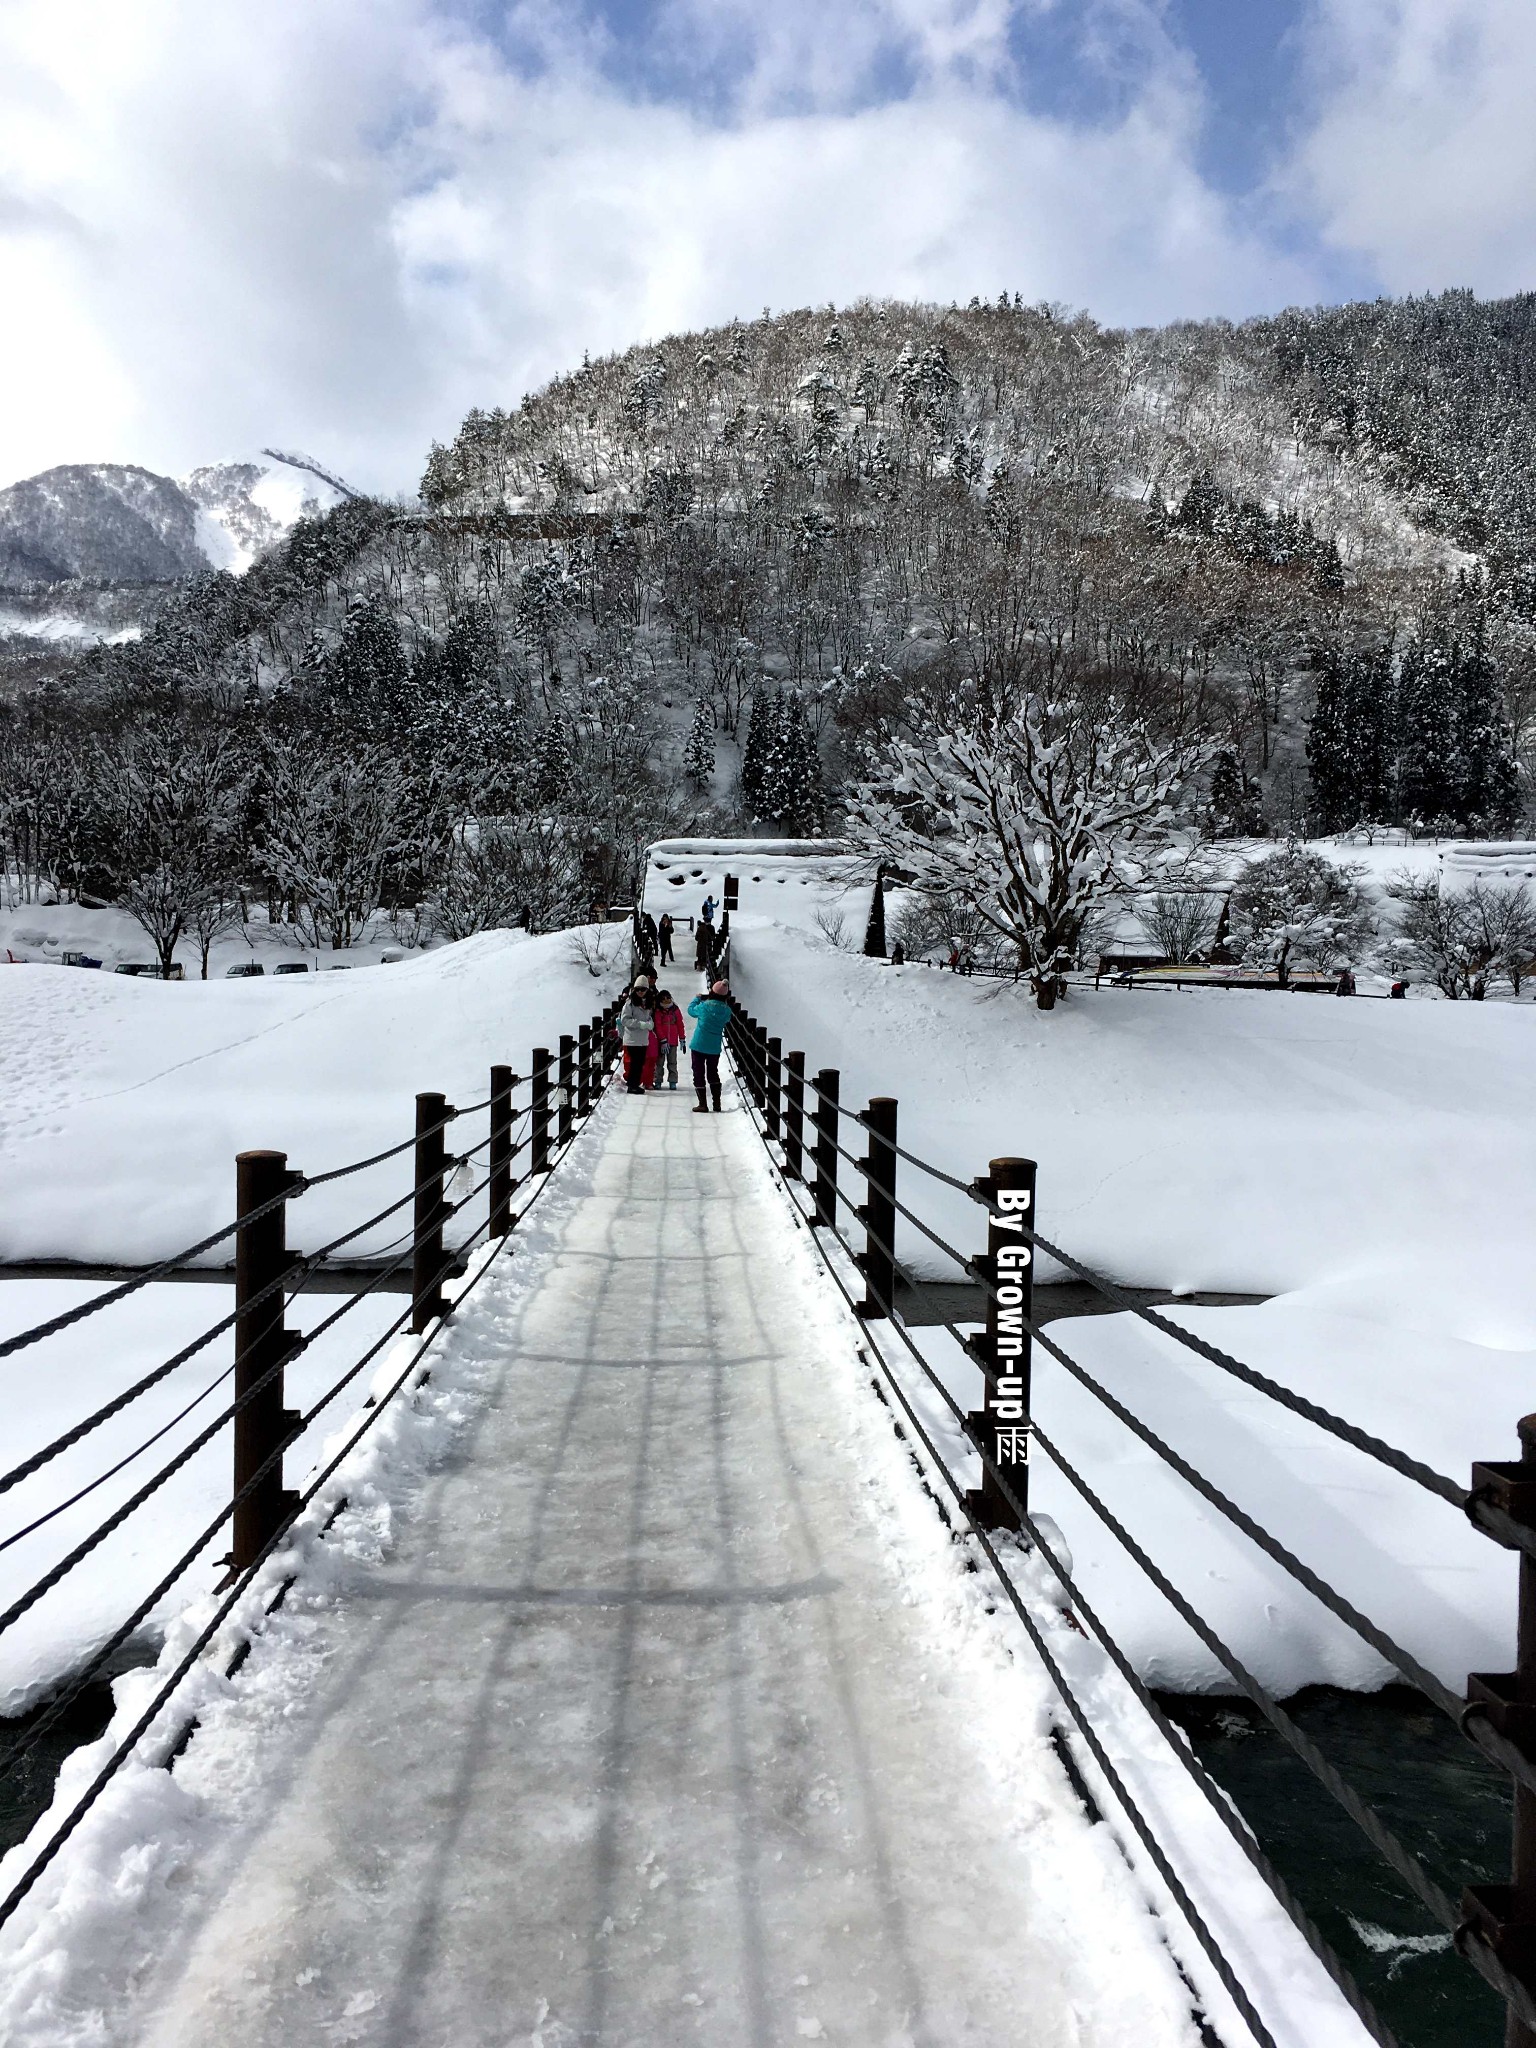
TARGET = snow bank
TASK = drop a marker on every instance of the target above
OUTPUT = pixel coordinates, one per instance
(128, 1099)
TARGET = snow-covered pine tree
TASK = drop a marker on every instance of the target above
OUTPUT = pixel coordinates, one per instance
(699, 754)
(554, 768)
(1482, 779)
(1349, 740)
(1232, 809)
(772, 777)
(801, 802)
(755, 750)
(368, 675)
(1426, 734)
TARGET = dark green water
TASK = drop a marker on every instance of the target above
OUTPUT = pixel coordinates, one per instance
(26, 1789)
(1433, 1791)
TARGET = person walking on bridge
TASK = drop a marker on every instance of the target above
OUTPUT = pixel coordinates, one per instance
(635, 1031)
(666, 1037)
(664, 935)
(710, 1016)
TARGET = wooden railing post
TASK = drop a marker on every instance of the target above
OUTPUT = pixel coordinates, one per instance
(773, 1087)
(427, 1262)
(263, 1426)
(502, 1180)
(538, 1131)
(794, 1115)
(1505, 1914)
(877, 1211)
(826, 1147)
(584, 1070)
(565, 1095)
(1000, 1427)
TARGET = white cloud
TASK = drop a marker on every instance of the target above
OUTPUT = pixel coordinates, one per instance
(1422, 154)
(341, 224)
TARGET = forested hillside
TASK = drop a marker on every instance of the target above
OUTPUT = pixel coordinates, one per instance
(713, 582)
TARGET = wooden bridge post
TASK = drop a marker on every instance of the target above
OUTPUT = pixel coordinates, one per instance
(538, 1122)
(584, 1070)
(565, 1094)
(877, 1212)
(502, 1180)
(1000, 1427)
(826, 1147)
(263, 1426)
(773, 1087)
(794, 1115)
(1505, 1915)
(427, 1263)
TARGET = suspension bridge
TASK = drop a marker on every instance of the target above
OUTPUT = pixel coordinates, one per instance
(718, 1681)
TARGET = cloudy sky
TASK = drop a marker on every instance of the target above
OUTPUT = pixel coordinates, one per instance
(337, 224)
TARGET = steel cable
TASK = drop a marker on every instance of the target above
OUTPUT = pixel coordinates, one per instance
(1493, 1746)
(1186, 1905)
(82, 1679)
(129, 1743)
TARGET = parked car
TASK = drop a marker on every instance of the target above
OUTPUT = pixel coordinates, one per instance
(71, 957)
(134, 967)
(389, 959)
(175, 972)
(290, 967)
(243, 970)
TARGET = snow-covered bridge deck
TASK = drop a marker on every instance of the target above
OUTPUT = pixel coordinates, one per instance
(644, 1731)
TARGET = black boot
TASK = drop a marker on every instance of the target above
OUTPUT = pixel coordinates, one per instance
(701, 1107)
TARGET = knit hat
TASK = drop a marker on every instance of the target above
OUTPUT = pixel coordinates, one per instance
(720, 988)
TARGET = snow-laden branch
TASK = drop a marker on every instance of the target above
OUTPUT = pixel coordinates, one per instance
(1026, 820)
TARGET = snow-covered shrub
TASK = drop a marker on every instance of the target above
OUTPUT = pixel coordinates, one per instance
(1296, 908)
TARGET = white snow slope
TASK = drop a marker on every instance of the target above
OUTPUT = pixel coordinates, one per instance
(1366, 1163)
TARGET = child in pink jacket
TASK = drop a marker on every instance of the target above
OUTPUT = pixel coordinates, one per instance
(666, 1037)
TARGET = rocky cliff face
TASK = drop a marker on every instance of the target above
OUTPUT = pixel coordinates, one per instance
(114, 523)
(98, 522)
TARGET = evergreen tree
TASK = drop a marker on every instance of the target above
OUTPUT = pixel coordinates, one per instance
(1482, 779)
(761, 721)
(699, 754)
(1349, 741)
(1426, 734)
(368, 675)
(801, 803)
(1232, 811)
(554, 770)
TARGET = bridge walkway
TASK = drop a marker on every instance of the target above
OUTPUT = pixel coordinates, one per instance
(641, 1734)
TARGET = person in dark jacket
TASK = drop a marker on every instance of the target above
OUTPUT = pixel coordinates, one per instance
(664, 934)
(704, 947)
(635, 1032)
(710, 1016)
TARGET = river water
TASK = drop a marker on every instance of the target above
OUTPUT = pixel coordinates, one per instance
(1435, 1793)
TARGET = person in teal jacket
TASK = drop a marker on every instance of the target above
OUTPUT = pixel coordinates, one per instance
(710, 1016)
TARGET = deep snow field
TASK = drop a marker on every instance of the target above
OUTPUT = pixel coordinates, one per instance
(1366, 1164)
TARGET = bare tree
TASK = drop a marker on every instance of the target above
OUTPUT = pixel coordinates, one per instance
(1025, 820)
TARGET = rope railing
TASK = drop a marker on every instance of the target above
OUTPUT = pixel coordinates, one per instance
(774, 1087)
(533, 1139)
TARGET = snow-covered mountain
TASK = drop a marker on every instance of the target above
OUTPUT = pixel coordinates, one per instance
(108, 522)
